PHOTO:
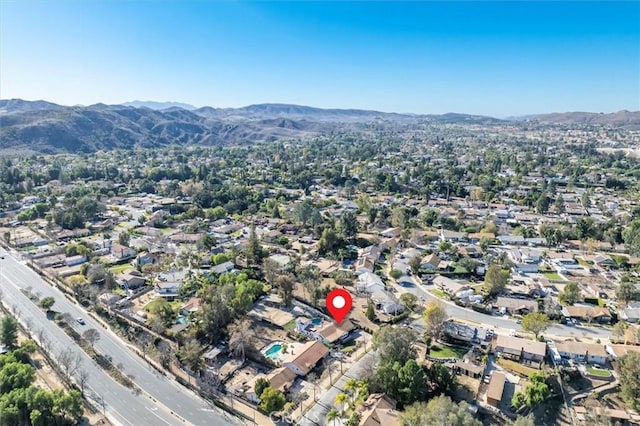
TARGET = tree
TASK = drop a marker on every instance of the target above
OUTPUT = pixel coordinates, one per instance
(395, 274)
(69, 361)
(260, 386)
(626, 292)
(341, 401)
(9, 332)
(371, 312)
(529, 420)
(537, 390)
(409, 300)
(165, 351)
(348, 225)
(47, 302)
(123, 238)
(631, 237)
(405, 383)
(82, 376)
(272, 400)
(333, 415)
(285, 284)
(91, 335)
(441, 380)
(495, 279)
(189, 354)
(241, 337)
(629, 370)
(618, 330)
(440, 410)
(535, 322)
(571, 293)
(542, 205)
(414, 264)
(395, 344)
(435, 315)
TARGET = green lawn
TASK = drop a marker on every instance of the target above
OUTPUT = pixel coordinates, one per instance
(118, 269)
(516, 367)
(598, 372)
(583, 262)
(442, 351)
(439, 293)
(291, 325)
(553, 276)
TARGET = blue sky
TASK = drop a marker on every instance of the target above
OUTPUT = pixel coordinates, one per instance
(495, 58)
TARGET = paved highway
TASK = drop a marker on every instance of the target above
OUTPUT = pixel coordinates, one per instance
(161, 397)
(456, 311)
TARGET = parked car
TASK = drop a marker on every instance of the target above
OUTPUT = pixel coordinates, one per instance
(80, 321)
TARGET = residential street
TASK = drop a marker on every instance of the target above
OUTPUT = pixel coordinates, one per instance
(121, 404)
(316, 415)
(456, 311)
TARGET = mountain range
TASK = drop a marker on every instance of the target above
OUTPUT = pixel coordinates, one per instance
(45, 127)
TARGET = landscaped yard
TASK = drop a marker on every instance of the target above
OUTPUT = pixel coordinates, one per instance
(598, 372)
(516, 367)
(444, 351)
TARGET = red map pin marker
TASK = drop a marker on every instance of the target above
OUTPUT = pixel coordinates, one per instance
(339, 304)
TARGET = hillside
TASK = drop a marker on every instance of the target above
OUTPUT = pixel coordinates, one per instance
(620, 118)
(49, 128)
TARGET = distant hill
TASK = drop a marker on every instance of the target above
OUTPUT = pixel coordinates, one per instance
(158, 105)
(621, 118)
(49, 128)
(9, 106)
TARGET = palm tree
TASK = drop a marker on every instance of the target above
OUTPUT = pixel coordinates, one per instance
(351, 386)
(332, 415)
(341, 400)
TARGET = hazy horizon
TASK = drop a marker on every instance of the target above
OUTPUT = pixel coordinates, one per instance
(498, 59)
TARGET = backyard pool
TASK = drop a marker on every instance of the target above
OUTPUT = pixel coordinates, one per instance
(273, 350)
(316, 321)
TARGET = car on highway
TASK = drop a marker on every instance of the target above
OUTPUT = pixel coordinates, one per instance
(80, 321)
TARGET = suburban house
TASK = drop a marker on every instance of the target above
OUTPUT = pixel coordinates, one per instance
(583, 352)
(280, 379)
(519, 349)
(131, 279)
(449, 286)
(379, 410)
(324, 331)
(391, 232)
(452, 236)
(587, 313)
(386, 302)
(222, 268)
(369, 283)
(306, 358)
(496, 388)
(430, 261)
(75, 260)
(167, 289)
(121, 252)
(364, 264)
(145, 258)
(516, 306)
(468, 369)
(190, 306)
(511, 240)
(631, 313)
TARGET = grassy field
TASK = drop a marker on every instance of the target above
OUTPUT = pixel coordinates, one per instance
(516, 367)
(583, 262)
(598, 372)
(442, 351)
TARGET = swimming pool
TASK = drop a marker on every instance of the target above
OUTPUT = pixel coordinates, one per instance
(181, 320)
(273, 351)
(316, 321)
